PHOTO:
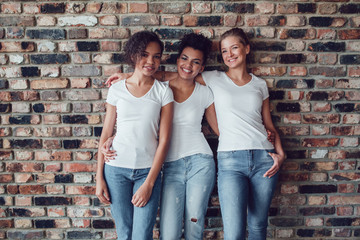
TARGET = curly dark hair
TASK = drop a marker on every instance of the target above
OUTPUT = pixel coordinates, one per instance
(196, 41)
(138, 43)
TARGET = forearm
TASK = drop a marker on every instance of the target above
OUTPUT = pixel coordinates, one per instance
(164, 140)
(159, 158)
(100, 156)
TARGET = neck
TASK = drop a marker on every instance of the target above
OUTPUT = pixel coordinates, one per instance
(238, 73)
(140, 79)
(183, 83)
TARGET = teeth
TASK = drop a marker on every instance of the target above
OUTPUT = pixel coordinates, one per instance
(185, 70)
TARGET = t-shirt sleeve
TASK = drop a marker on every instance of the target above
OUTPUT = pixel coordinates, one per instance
(264, 89)
(111, 97)
(208, 97)
(208, 77)
(168, 96)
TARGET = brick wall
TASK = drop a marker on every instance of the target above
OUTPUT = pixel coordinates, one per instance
(56, 55)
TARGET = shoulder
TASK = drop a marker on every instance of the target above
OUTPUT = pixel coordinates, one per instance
(161, 85)
(117, 86)
(213, 73)
(256, 78)
(201, 88)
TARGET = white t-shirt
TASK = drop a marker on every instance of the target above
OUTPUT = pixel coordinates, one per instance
(238, 111)
(137, 123)
(187, 138)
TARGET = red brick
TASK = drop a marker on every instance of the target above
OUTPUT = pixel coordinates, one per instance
(79, 167)
(346, 188)
(17, 47)
(49, 83)
(6, 178)
(344, 200)
(138, 8)
(80, 190)
(320, 142)
(32, 189)
(321, 119)
(24, 167)
(349, 34)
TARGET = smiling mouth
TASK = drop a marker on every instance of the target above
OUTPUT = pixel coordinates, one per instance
(186, 70)
(232, 60)
(149, 68)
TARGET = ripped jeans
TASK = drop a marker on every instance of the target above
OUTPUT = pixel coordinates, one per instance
(187, 185)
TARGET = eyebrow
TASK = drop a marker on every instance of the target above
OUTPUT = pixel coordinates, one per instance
(231, 45)
(193, 59)
(149, 53)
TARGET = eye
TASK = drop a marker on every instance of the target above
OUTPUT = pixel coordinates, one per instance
(223, 51)
(197, 62)
(157, 57)
(235, 47)
(143, 54)
(184, 58)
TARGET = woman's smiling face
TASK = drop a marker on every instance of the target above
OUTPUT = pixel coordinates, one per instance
(190, 63)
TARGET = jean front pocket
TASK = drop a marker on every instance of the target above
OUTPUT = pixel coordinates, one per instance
(225, 154)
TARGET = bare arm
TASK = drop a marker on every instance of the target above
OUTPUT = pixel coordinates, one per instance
(279, 156)
(142, 195)
(210, 115)
(101, 188)
(200, 79)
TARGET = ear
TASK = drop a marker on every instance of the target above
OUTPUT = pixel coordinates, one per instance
(247, 49)
(202, 69)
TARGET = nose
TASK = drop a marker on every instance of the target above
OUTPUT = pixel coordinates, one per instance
(230, 53)
(150, 60)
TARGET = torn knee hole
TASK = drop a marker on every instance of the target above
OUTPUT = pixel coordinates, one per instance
(194, 220)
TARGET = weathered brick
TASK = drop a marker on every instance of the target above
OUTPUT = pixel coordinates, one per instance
(350, 59)
(327, 47)
(49, 59)
(49, 83)
(349, 34)
(191, 21)
(110, 7)
(167, 33)
(349, 8)
(81, 71)
(55, 34)
(306, 189)
(234, 7)
(17, 47)
(328, 71)
(83, 235)
(103, 224)
(17, 21)
(88, 21)
(53, 8)
(269, 46)
(320, 142)
(145, 20)
(313, 232)
(138, 7)
(306, 7)
(172, 8)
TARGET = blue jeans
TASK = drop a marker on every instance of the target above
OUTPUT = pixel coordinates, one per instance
(245, 195)
(187, 185)
(131, 222)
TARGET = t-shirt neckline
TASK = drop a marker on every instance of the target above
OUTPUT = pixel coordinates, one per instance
(127, 90)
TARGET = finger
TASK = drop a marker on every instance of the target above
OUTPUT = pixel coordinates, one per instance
(269, 172)
(107, 196)
(272, 155)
